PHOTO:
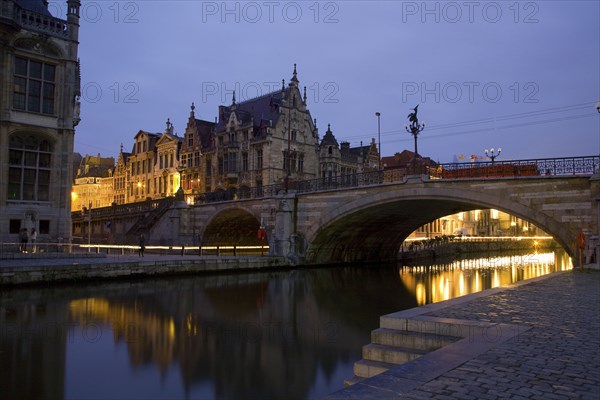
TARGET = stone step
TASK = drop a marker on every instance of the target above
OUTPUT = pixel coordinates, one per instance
(368, 368)
(352, 381)
(390, 354)
(410, 339)
(437, 326)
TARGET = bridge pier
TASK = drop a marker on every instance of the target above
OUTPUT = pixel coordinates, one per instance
(285, 229)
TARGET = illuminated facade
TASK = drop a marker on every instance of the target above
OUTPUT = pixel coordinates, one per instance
(93, 184)
(488, 222)
(39, 109)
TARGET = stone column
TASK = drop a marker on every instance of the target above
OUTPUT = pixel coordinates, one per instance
(284, 226)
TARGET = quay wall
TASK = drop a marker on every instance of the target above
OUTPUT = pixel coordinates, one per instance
(82, 270)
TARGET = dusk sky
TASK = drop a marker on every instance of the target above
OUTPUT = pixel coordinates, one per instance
(523, 76)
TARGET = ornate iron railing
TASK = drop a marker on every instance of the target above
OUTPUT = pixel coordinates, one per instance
(518, 168)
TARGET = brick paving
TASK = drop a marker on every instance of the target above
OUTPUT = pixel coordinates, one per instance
(557, 357)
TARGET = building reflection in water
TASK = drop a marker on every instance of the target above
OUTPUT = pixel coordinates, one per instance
(289, 334)
(440, 282)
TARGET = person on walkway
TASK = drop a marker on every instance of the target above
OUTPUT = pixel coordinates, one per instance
(24, 239)
(33, 238)
(142, 245)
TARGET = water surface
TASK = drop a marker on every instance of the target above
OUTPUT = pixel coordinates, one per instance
(288, 334)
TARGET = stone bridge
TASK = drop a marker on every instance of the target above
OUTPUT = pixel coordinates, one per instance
(369, 223)
(367, 217)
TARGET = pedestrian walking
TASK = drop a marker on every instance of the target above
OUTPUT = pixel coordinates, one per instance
(33, 238)
(142, 245)
(24, 240)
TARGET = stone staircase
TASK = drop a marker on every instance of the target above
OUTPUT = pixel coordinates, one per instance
(396, 342)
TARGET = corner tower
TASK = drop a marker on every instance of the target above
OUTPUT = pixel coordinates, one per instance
(39, 109)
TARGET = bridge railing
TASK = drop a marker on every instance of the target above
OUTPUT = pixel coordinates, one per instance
(498, 169)
(518, 168)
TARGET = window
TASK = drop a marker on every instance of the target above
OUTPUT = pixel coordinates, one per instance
(190, 140)
(14, 226)
(259, 159)
(301, 163)
(29, 168)
(293, 135)
(34, 86)
(245, 162)
(44, 227)
(196, 159)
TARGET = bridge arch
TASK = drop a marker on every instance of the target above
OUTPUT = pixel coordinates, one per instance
(372, 227)
(233, 225)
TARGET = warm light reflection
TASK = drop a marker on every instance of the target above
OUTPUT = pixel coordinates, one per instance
(132, 324)
(473, 275)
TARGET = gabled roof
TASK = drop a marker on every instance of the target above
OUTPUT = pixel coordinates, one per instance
(403, 159)
(329, 139)
(263, 108)
(168, 137)
(205, 131)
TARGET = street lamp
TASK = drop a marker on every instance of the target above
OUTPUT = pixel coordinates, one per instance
(414, 128)
(378, 114)
(490, 154)
(180, 195)
(89, 225)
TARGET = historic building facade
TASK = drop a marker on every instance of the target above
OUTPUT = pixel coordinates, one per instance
(340, 162)
(93, 183)
(267, 140)
(39, 109)
(263, 141)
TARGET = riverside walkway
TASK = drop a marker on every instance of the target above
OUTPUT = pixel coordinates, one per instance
(539, 339)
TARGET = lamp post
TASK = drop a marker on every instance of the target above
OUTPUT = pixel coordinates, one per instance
(180, 195)
(378, 114)
(490, 154)
(414, 128)
(89, 225)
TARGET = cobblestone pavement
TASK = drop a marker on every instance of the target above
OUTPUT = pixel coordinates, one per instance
(558, 357)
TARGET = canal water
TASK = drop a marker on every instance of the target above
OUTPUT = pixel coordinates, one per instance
(289, 334)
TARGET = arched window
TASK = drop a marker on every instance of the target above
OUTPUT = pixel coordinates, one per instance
(29, 168)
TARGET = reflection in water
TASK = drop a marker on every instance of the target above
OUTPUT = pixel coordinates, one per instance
(263, 335)
(430, 284)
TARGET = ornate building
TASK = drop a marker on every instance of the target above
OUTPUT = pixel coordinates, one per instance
(341, 162)
(262, 141)
(93, 184)
(39, 109)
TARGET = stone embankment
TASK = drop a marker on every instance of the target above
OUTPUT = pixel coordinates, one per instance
(28, 270)
(432, 250)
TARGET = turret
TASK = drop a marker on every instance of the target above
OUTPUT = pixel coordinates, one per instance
(73, 18)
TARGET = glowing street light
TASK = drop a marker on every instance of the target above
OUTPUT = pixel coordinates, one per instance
(490, 153)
